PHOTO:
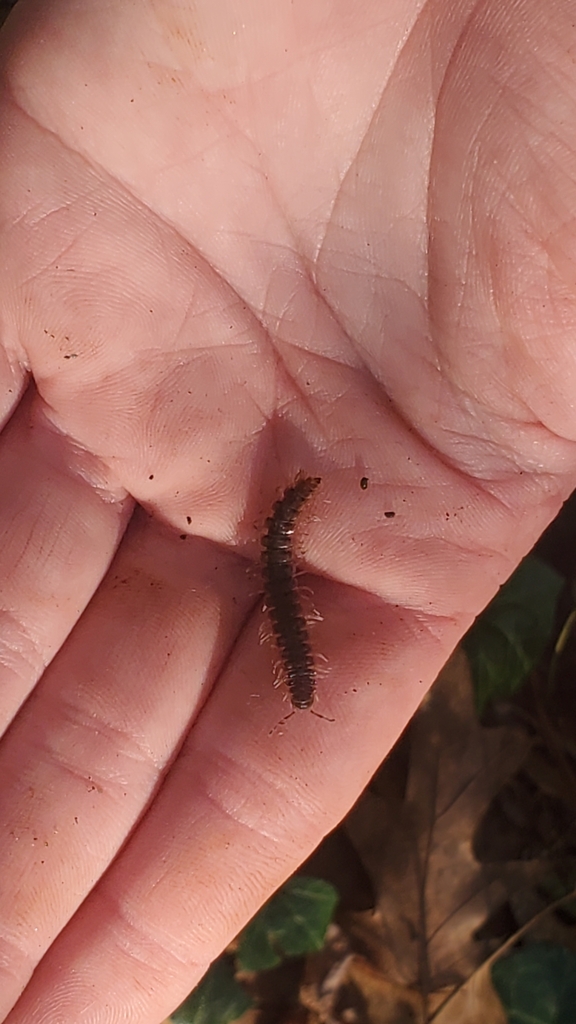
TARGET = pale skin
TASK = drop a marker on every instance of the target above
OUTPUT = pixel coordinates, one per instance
(240, 240)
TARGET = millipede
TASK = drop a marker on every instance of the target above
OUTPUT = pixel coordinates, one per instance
(281, 594)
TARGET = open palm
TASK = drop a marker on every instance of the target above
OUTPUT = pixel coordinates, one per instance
(239, 241)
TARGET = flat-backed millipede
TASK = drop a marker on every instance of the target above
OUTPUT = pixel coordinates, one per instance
(281, 593)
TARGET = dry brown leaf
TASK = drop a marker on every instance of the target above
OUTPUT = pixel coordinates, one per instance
(476, 1002)
(355, 991)
(432, 892)
(385, 1002)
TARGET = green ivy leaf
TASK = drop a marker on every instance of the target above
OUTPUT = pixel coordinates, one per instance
(537, 985)
(510, 636)
(292, 923)
(218, 999)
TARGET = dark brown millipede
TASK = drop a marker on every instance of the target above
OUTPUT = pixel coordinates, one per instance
(283, 601)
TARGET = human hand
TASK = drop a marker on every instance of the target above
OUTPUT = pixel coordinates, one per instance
(242, 241)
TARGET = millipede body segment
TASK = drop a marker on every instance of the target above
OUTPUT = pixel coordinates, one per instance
(282, 598)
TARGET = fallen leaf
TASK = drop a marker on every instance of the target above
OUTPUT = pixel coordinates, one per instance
(417, 843)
